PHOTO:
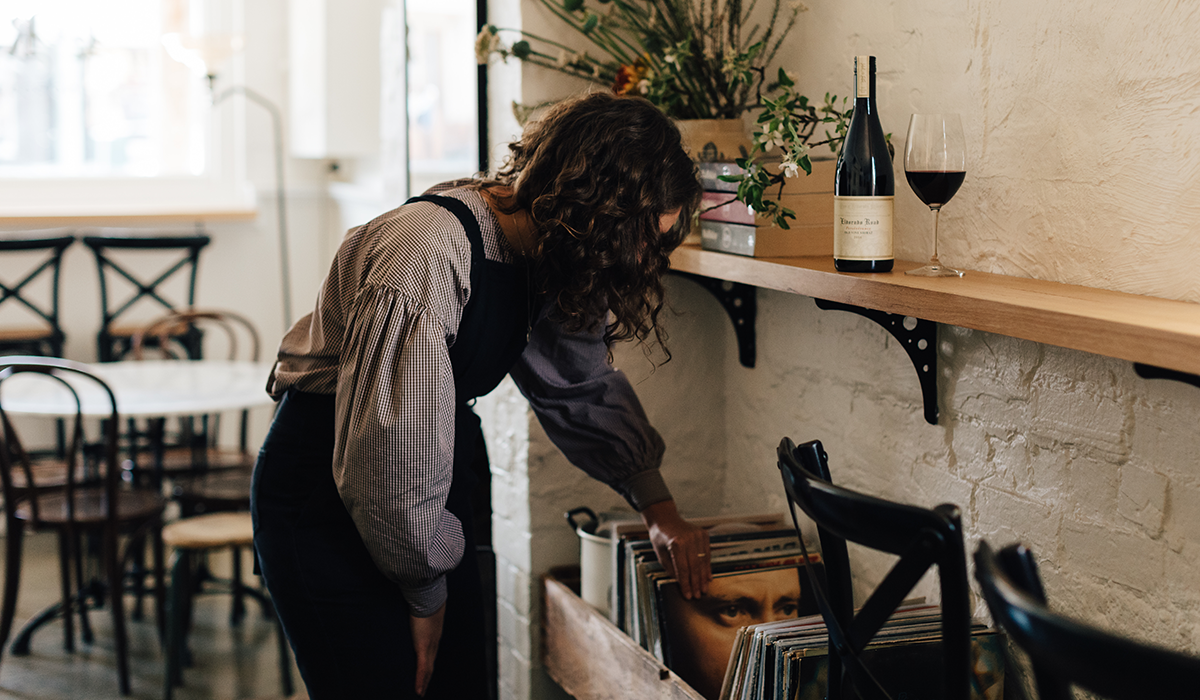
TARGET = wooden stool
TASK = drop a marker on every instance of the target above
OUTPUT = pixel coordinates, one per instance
(197, 535)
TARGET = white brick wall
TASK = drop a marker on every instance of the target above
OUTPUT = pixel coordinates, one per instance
(1095, 468)
(1091, 466)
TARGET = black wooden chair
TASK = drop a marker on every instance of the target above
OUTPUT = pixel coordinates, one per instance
(44, 335)
(102, 506)
(1065, 652)
(115, 262)
(920, 537)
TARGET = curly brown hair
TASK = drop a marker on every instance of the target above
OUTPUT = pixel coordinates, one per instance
(596, 174)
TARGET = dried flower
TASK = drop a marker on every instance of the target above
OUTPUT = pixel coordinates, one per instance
(629, 78)
(702, 59)
(487, 43)
(695, 60)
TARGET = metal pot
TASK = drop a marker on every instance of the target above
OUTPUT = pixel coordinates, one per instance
(595, 558)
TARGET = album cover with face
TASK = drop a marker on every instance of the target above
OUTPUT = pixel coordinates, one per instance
(698, 634)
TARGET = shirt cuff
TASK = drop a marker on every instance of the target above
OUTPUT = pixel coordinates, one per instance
(644, 489)
(424, 601)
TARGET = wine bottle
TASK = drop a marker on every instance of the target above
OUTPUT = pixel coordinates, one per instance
(865, 186)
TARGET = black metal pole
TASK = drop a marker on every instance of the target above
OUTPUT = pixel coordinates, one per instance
(281, 215)
(481, 92)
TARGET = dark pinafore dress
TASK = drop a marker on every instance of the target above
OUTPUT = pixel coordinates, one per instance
(348, 624)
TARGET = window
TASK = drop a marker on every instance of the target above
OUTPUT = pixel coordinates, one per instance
(443, 100)
(88, 89)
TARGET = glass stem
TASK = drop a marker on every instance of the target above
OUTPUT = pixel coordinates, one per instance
(934, 260)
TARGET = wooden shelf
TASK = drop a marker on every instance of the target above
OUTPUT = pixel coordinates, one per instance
(123, 218)
(592, 659)
(1148, 330)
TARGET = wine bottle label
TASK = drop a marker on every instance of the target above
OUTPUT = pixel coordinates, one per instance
(862, 228)
(862, 74)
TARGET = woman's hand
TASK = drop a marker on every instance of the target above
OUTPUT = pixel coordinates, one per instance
(426, 633)
(682, 548)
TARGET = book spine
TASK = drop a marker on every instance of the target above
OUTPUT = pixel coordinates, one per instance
(721, 206)
(710, 176)
(727, 237)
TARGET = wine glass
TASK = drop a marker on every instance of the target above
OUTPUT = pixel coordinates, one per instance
(935, 165)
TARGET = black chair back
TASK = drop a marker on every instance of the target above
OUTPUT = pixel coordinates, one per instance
(114, 343)
(921, 538)
(241, 342)
(46, 340)
(14, 456)
(234, 327)
(1064, 652)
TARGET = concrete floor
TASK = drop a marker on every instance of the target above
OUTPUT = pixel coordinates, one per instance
(229, 662)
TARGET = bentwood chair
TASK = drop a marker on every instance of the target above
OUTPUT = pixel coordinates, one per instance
(102, 506)
(206, 476)
(117, 261)
(920, 537)
(1065, 652)
(43, 335)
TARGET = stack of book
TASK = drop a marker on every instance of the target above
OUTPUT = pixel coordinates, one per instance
(788, 659)
(731, 226)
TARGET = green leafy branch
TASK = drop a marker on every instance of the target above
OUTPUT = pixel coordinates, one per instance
(789, 121)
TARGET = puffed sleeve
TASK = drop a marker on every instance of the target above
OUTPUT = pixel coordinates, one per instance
(590, 411)
(394, 451)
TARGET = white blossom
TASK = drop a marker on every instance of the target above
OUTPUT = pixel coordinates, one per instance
(644, 86)
(788, 168)
(771, 139)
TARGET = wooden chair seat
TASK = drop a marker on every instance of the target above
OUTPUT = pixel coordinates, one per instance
(91, 507)
(194, 536)
(227, 486)
(180, 459)
(210, 531)
(31, 334)
(47, 474)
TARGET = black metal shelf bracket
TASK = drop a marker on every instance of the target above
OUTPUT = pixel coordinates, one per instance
(1153, 372)
(740, 301)
(919, 341)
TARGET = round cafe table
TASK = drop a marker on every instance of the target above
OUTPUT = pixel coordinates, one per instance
(145, 389)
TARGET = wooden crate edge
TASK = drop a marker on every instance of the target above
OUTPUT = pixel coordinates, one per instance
(592, 659)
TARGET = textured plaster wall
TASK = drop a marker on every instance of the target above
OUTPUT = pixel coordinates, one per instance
(1080, 119)
(1083, 168)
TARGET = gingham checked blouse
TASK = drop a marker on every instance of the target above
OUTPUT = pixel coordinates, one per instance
(378, 339)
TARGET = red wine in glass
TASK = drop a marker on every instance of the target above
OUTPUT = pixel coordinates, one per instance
(935, 165)
(935, 187)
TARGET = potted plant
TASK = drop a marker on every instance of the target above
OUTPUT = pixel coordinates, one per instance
(696, 60)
